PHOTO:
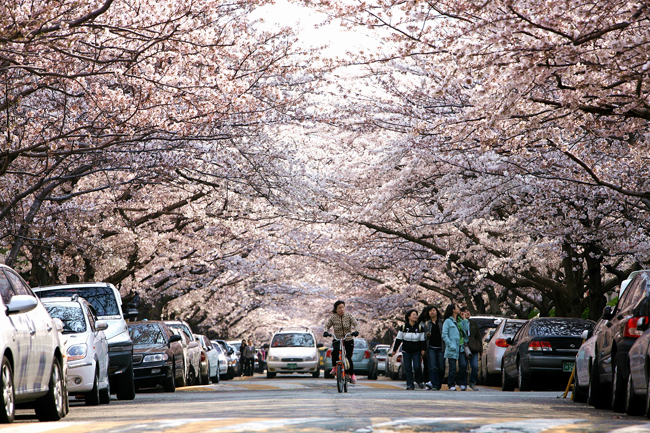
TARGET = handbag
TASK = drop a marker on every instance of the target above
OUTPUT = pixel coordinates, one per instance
(468, 353)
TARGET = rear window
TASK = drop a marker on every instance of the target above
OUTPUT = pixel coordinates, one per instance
(147, 334)
(71, 316)
(562, 328)
(511, 328)
(382, 351)
(293, 340)
(101, 298)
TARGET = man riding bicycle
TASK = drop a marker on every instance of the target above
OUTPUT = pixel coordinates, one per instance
(343, 323)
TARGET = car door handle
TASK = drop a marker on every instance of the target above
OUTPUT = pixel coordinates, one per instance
(32, 331)
(608, 324)
(49, 328)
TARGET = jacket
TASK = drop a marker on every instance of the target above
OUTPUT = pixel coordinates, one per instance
(475, 340)
(451, 337)
(429, 326)
(412, 338)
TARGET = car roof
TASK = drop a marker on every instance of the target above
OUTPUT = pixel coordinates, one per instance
(288, 330)
(72, 286)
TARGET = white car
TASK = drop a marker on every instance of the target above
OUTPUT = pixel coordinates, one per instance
(292, 351)
(223, 359)
(381, 350)
(495, 348)
(212, 358)
(584, 362)
(86, 348)
(191, 350)
(32, 368)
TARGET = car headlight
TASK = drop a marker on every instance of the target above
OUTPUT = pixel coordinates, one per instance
(310, 358)
(273, 358)
(158, 357)
(77, 351)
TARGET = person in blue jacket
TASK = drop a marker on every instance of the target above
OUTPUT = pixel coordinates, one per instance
(452, 335)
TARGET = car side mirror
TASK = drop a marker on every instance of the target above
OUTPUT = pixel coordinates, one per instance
(509, 341)
(642, 323)
(21, 304)
(231, 351)
(58, 324)
(585, 334)
(174, 338)
(101, 326)
(608, 313)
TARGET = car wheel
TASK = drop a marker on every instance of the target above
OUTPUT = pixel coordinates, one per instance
(51, 406)
(126, 385)
(92, 396)
(506, 385)
(316, 374)
(180, 382)
(8, 393)
(633, 404)
(619, 382)
(270, 375)
(326, 374)
(595, 393)
(217, 377)
(169, 383)
(191, 376)
(579, 394)
(523, 379)
(647, 399)
(105, 394)
(400, 373)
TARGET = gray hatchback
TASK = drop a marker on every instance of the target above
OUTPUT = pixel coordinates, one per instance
(364, 360)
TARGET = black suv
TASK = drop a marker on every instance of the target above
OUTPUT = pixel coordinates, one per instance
(608, 376)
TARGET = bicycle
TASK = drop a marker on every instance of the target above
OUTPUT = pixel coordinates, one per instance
(342, 379)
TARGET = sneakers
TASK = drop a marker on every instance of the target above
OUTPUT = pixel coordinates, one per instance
(474, 388)
(429, 385)
(421, 385)
(452, 388)
(463, 387)
(333, 372)
(353, 379)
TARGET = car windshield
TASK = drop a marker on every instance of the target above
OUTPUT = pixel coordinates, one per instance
(562, 328)
(511, 328)
(293, 340)
(72, 317)
(101, 298)
(146, 334)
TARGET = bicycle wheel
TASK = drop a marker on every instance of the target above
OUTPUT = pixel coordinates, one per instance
(340, 380)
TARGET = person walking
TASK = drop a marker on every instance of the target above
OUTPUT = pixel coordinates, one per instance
(343, 323)
(435, 359)
(242, 358)
(451, 336)
(475, 344)
(249, 355)
(412, 338)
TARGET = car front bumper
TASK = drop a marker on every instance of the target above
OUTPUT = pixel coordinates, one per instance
(291, 367)
(81, 376)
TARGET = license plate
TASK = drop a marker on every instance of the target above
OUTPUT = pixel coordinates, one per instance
(292, 365)
(567, 367)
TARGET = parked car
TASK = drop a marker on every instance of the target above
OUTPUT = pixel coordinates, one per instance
(107, 302)
(545, 347)
(395, 371)
(292, 351)
(223, 360)
(584, 362)
(364, 360)
(191, 350)
(86, 348)
(209, 360)
(381, 352)
(609, 374)
(32, 367)
(636, 398)
(157, 355)
(234, 367)
(494, 348)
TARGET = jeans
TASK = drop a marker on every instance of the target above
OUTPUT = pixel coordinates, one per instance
(411, 361)
(462, 371)
(473, 365)
(436, 362)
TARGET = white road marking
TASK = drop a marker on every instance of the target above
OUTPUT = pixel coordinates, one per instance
(526, 426)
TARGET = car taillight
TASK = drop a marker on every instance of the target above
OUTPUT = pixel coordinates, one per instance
(544, 346)
(501, 342)
(329, 353)
(202, 356)
(399, 358)
(366, 354)
(631, 329)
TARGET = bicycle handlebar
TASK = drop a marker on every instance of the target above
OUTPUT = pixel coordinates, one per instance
(351, 334)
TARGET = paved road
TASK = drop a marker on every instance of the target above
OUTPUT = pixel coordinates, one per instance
(304, 404)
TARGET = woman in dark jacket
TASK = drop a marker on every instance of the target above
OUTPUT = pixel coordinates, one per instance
(435, 347)
(412, 338)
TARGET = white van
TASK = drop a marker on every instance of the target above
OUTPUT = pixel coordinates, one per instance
(107, 302)
(292, 351)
